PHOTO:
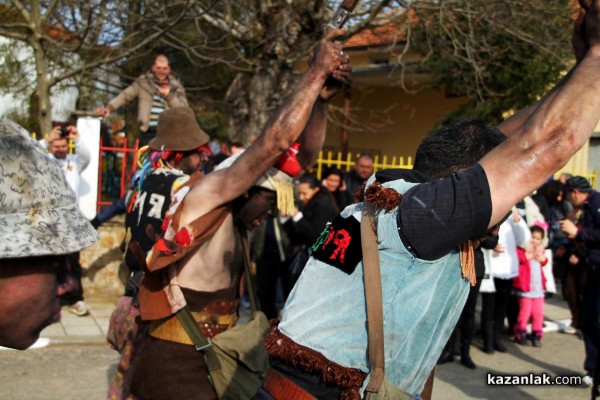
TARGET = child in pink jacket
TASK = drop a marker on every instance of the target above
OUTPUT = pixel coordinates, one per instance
(530, 286)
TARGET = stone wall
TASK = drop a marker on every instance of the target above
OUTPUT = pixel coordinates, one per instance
(101, 262)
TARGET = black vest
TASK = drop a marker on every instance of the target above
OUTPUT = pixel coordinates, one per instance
(148, 211)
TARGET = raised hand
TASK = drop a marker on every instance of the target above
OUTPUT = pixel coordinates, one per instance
(328, 55)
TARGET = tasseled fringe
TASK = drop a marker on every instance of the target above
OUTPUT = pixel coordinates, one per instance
(285, 196)
(382, 197)
(350, 380)
(359, 194)
(467, 262)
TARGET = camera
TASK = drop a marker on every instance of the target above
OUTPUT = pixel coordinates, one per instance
(64, 132)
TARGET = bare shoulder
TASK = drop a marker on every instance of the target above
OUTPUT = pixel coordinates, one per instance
(202, 197)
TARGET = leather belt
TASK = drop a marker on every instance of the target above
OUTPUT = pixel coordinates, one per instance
(171, 329)
(281, 388)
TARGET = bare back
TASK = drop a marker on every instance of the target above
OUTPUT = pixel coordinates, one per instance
(216, 264)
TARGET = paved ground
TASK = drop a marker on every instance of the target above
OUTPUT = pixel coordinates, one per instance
(76, 363)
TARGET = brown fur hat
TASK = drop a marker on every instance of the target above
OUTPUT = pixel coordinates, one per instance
(178, 130)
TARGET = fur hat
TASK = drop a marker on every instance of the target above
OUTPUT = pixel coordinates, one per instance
(579, 183)
(38, 211)
(279, 178)
(178, 130)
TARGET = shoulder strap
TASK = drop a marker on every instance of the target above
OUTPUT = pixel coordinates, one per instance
(249, 281)
(373, 296)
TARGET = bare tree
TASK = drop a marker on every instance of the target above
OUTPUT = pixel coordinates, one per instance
(498, 54)
(262, 42)
(69, 39)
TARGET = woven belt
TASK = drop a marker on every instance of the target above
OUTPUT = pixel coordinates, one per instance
(211, 324)
(281, 388)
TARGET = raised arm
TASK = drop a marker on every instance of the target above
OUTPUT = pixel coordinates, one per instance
(548, 136)
(313, 136)
(81, 150)
(283, 127)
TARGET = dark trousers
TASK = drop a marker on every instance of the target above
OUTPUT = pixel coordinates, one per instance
(590, 319)
(501, 301)
(466, 323)
(573, 291)
(494, 308)
(117, 207)
(512, 312)
(269, 269)
(487, 319)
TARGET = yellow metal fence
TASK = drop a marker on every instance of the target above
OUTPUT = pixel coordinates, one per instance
(345, 163)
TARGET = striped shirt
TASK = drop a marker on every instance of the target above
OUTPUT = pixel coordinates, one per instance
(158, 106)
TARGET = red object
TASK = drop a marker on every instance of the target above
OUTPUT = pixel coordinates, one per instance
(288, 162)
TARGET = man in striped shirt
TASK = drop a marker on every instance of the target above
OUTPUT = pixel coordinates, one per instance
(156, 91)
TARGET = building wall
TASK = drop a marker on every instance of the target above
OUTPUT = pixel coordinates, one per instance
(388, 120)
(594, 155)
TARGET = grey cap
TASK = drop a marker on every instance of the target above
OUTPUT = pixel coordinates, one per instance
(38, 211)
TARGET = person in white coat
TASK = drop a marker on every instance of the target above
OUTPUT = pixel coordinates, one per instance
(502, 264)
(72, 165)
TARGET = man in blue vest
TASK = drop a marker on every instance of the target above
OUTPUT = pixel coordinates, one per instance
(425, 221)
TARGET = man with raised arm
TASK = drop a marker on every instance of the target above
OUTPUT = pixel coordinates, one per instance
(200, 260)
(465, 180)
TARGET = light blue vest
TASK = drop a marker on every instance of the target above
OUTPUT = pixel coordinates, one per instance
(422, 301)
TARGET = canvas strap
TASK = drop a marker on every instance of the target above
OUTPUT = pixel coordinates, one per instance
(373, 297)
(374, 302)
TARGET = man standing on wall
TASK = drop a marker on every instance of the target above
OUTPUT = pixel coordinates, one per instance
(156, 91)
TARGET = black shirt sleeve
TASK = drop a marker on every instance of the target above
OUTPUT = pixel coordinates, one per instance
(435, 218)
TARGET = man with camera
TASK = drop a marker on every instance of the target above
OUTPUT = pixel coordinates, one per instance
(72, 165)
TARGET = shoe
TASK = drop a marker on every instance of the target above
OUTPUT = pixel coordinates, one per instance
(500, 347)
(488, 348)
(569, 329)
(587, 380)
(466, 360)
(522, 341)
(536, 338)
(445, 357)
(79, 309)
(521, 337)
